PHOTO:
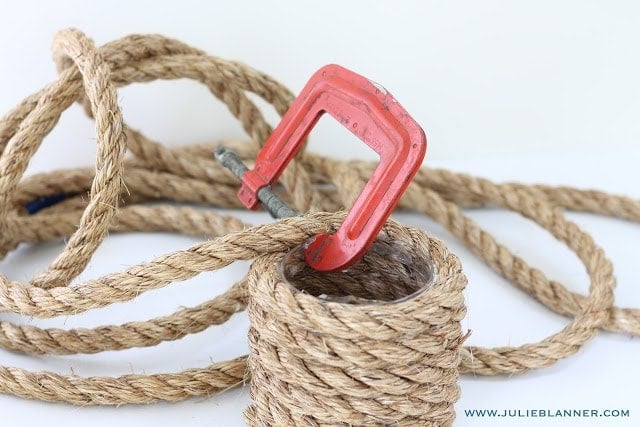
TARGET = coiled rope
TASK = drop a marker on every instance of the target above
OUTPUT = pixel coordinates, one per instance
(119, 186)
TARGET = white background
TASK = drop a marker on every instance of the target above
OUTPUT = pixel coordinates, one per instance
(535, 92)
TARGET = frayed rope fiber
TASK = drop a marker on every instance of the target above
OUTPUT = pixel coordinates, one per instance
(377, 344)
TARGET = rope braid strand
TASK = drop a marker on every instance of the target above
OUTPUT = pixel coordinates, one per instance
(118, 189)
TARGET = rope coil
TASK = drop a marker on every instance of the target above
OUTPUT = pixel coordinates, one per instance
(120, 186)
(376, 344)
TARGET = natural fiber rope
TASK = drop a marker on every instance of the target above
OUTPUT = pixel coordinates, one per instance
(380, 348)
(118, 187)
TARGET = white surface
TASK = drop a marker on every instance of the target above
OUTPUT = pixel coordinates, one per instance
(542, 92)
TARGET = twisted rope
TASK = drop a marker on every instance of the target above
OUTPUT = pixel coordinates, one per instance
(321, 361)
(118, 189)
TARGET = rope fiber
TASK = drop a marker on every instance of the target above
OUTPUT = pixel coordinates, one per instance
(132, 170)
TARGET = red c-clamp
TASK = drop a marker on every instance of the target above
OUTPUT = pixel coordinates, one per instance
(373, 115)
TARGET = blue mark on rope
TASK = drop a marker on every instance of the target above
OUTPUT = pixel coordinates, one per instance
(40, 203)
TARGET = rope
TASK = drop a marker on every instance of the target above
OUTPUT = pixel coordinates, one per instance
(341, 360)
(119, 189)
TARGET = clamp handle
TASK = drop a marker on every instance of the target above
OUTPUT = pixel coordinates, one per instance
(373, 115)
